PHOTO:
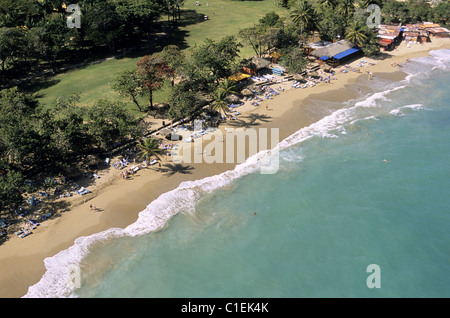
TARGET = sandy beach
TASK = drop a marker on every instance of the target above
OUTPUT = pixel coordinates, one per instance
(118, 201)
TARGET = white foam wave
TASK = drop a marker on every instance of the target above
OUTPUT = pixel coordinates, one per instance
(55, 282)
(57, 278)
(438, 59)
(400, 111)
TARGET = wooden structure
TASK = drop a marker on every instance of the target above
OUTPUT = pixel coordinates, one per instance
(254, 65)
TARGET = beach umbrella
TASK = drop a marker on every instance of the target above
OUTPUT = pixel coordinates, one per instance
(298, 77)
(165, 131)
(327, 68)
(233, 98)
(314, 74)
(246, 92)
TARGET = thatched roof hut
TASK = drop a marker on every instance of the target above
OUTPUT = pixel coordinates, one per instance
(333, 49)
(233, 98)
(255, 64)
(298, 77)
(246, 92)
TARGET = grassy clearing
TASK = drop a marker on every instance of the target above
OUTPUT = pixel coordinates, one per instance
(93, 82)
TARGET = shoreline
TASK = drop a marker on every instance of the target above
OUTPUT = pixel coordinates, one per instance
(121, 201)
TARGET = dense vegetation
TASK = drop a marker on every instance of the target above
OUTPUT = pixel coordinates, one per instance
(52, 138)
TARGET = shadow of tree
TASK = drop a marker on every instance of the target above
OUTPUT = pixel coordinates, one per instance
(48, 210)
(38, 84)
(250, 120)
(171, 169)
(171, 35)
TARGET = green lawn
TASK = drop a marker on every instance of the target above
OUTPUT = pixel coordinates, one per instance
(93, 82)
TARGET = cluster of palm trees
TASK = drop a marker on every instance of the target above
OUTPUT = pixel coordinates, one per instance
(305, 15)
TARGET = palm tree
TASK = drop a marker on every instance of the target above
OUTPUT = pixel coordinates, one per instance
(220, 103)
(323, 5)
(356, 33)
(303, 15)
(346, 8)
(148, 148)
(227, 86)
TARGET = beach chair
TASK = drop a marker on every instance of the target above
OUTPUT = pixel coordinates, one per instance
(3, 224)
(80, 190)
(46, 216)
(30, 225)
(25, 232)
(153, 162)
(135, 168)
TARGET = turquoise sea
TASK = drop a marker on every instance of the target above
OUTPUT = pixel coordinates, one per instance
(367, 184)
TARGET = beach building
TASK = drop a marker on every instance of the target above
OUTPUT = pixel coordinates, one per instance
(275, 56)
(255, 65)
(437, 31)
(238, 77)
(413, 33)
(390, 34)
(316, 45)
(336, 53)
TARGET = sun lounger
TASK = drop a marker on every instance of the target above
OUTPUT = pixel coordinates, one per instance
(25, 233)
(46, 216)
(30, 225)
(134, 168)
(33, 201)
(3, 224)
(82, 191)
(22, 233)
(153, 162)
